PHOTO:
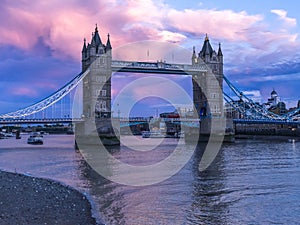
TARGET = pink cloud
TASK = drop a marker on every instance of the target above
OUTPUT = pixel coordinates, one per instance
(24, 91)
(20, 28)
(63, 25)
(224, 24)
(153, 51)
(46, 86)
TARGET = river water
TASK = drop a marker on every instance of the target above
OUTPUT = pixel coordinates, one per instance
(250, 182)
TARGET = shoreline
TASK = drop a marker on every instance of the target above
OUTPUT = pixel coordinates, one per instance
(30, 200)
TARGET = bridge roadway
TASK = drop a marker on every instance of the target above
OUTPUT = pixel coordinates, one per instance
(127, 121)
(134, 121)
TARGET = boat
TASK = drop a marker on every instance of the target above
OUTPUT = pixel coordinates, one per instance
(6, 135)
(35, 138)
(18, 134)
(146, 134)
(179, 134)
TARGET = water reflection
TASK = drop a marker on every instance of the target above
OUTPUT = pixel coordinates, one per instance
(250, 182)
(207, 206)
(108, 201)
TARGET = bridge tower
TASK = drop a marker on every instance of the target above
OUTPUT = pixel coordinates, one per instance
(208, 96)
(97, 84)
(214, 64)
(97, 57)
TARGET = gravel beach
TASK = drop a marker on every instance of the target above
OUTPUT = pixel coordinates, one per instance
(27, 200)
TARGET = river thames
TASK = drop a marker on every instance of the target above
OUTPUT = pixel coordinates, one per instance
(250, 182)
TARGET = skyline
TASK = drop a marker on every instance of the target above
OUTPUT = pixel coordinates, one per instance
(40, 43)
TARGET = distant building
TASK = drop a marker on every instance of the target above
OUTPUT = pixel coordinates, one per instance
(273, 101)
(279, 109)
(275, 105)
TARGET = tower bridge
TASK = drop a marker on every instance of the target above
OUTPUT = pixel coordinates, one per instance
(205, 69)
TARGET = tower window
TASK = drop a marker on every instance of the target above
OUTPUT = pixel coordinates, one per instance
(214, 95)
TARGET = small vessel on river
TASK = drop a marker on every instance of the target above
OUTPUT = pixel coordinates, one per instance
(35, 138)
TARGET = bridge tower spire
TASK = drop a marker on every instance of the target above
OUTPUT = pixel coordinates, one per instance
(194, 57)
(108, 45)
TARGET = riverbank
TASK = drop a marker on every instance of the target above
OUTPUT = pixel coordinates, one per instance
(30, 201)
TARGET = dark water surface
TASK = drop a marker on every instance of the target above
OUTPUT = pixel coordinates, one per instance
(250, 182)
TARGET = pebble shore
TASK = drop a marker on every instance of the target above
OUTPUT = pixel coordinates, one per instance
(28, 200)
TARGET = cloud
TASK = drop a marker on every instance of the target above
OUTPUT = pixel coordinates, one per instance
(285, 77)
(255, 95)
(223, 24)
(152, 51)
(61, 26)
(282, 14)
(24, 91)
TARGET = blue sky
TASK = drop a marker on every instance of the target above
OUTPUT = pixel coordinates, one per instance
(40, 42)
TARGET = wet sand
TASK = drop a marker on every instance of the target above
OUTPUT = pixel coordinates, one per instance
(29, 201)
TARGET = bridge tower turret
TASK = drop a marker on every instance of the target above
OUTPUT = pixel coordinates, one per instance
(194, 57)
(220, 58)
(84, 50)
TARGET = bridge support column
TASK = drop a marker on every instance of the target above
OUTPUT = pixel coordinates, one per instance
(92, 132)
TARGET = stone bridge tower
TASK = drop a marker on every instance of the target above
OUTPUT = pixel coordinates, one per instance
(208, 96)
(211, 81)
(97, 84)
(97, 57)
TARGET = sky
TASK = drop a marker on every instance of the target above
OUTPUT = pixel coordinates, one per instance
(41, 42)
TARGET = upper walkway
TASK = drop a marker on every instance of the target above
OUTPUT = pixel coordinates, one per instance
(158, 67)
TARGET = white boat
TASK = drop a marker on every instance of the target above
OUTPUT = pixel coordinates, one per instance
(6, 135)
(35, 138)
